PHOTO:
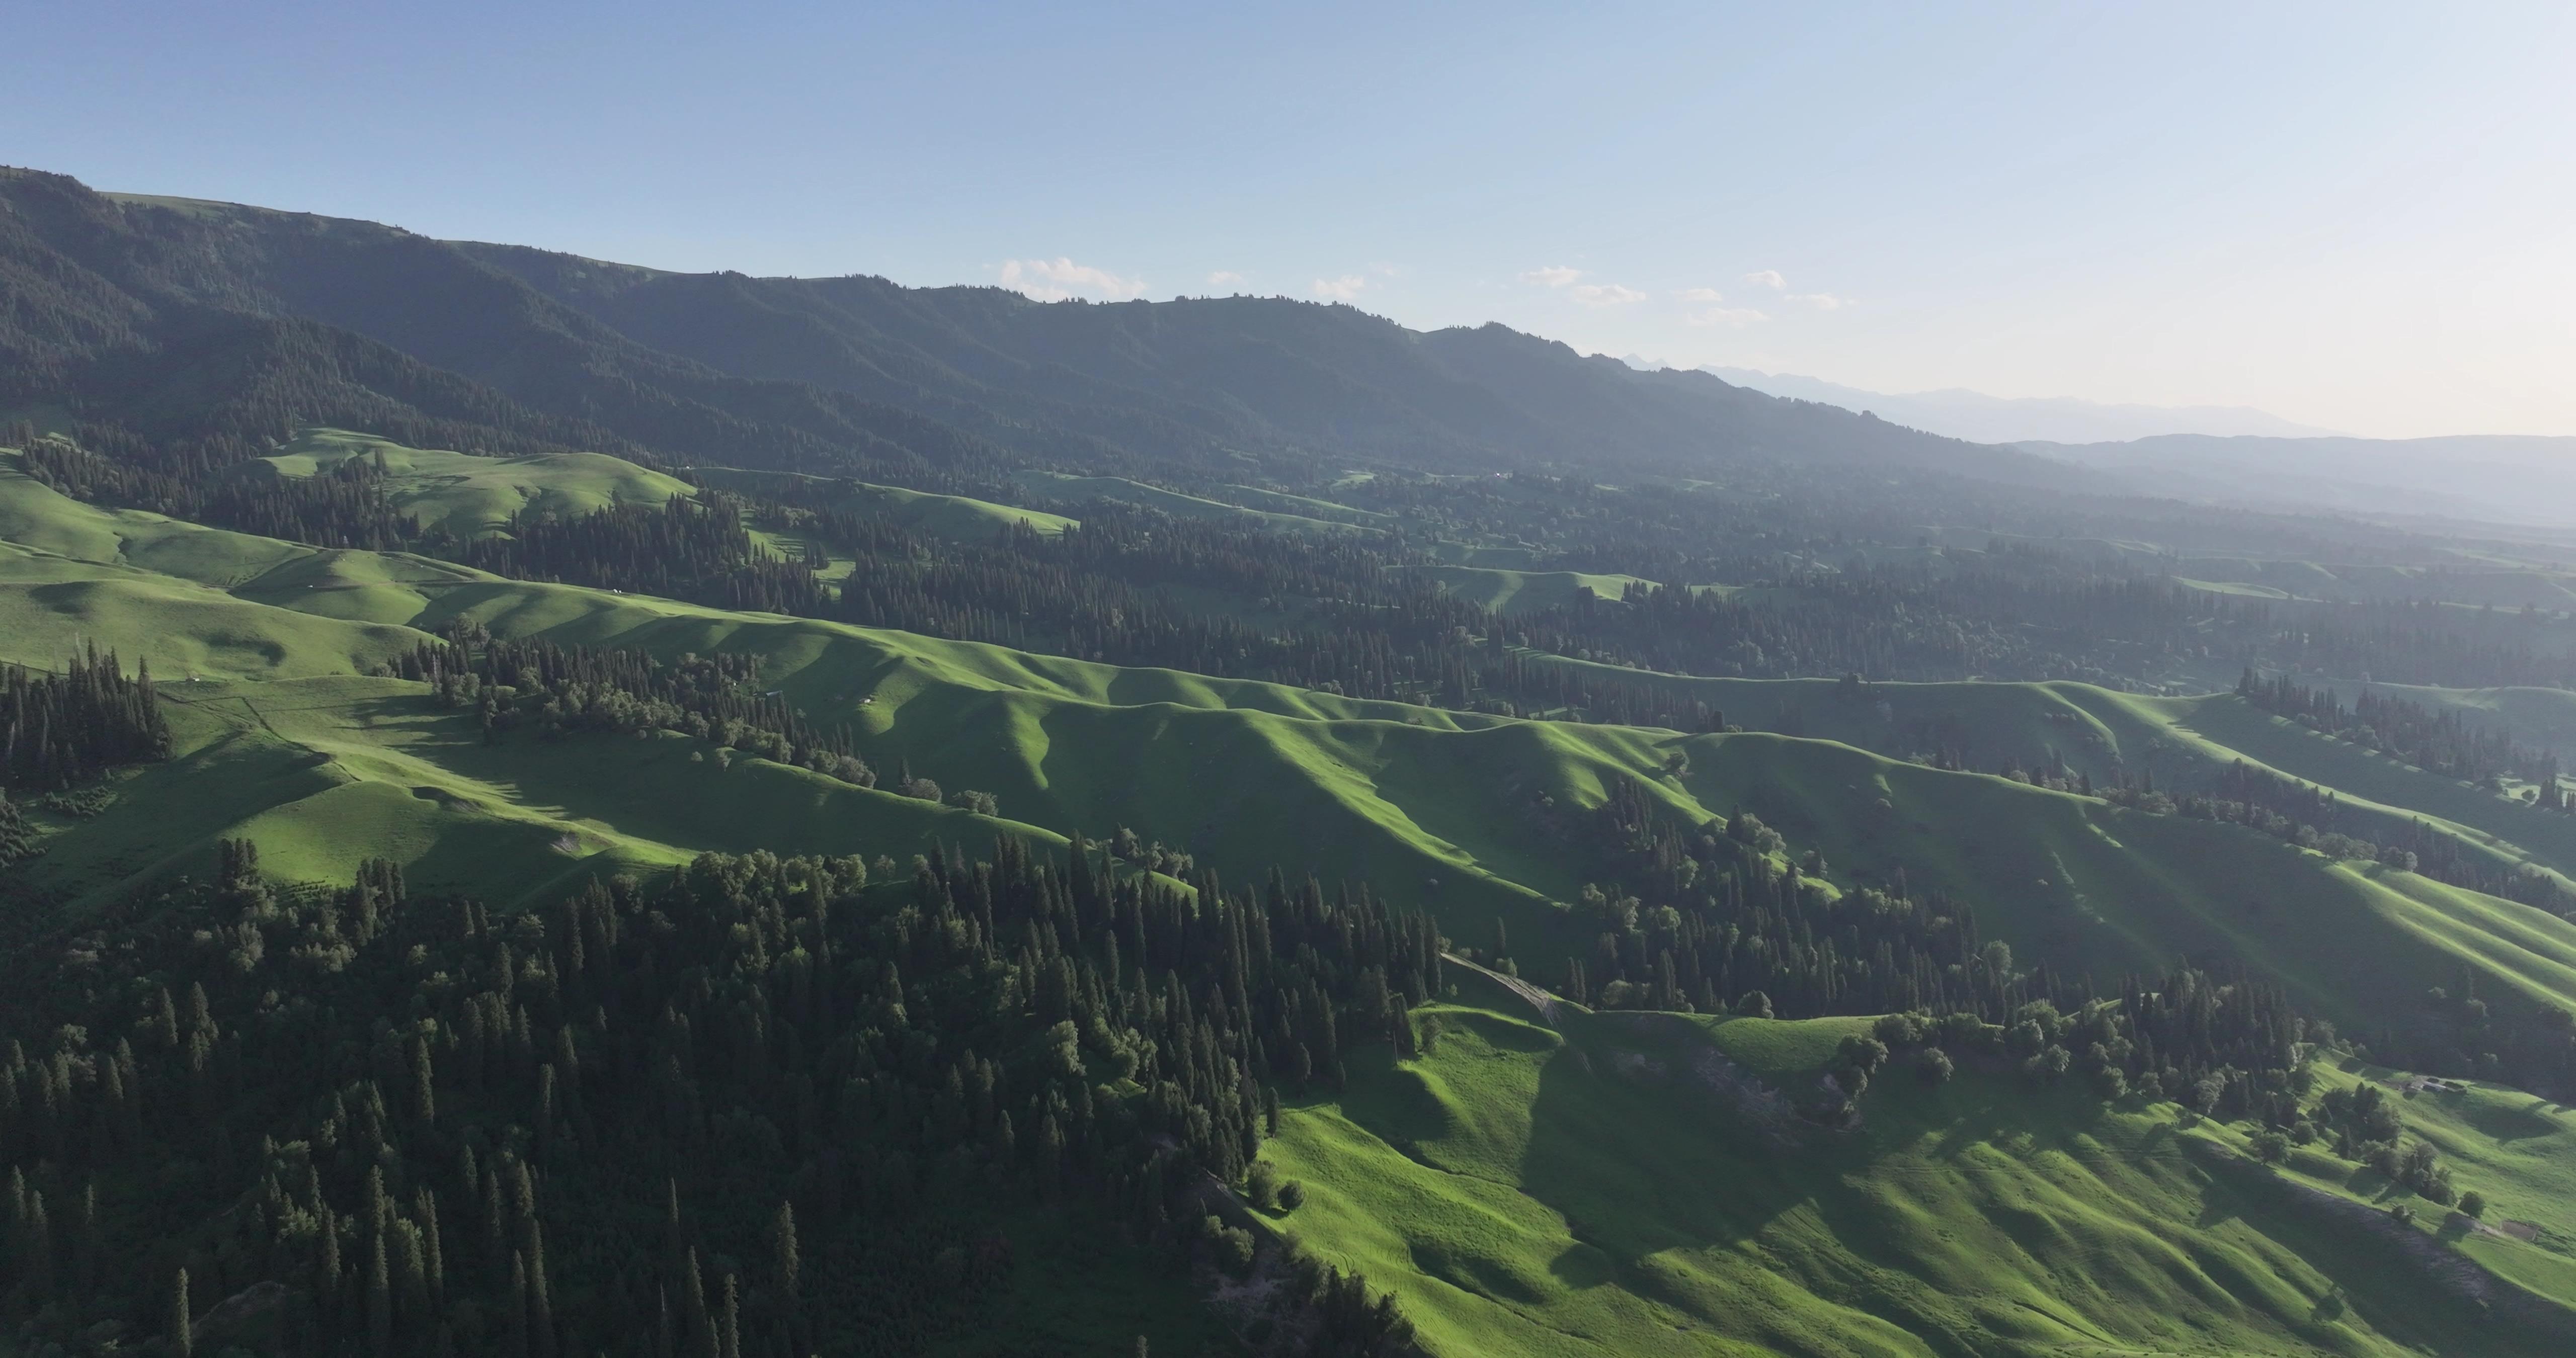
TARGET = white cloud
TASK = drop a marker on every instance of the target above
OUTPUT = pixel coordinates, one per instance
(1340, 289)
(1821, 301)
(1708, 295)
(1587, 294)
(1222, 277)
(1055, 280)
(1769, 278)
(1726, 315)
(1604, 294)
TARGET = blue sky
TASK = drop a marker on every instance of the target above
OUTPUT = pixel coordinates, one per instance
(2357, 216)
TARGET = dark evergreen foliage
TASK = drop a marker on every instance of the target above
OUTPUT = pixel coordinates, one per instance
(698, 550)
(2439, 742)
(556, 690)
(60, 729)
(763, 1103)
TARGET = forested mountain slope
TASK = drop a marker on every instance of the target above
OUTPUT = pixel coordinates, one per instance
(1240, 371)
(143, 303)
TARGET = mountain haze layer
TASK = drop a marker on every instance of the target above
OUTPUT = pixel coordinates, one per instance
(2491, 477)
(1961, 413)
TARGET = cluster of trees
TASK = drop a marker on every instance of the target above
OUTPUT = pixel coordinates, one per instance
(1891, 623)
(2242, 1057)
(555, 689)
(1711, 919)
(2316, 818)
(2365, 1127)
(2508, 1040)
(2224, 1049)
(17, 840)
(1726, 918)
(762, 1106)
(60, 729)
(342, 507)
(2436, 741)
(2426, 641)
(698, 549)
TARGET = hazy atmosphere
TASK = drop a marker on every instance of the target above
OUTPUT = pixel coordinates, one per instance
(930, 681)
(2352, 217)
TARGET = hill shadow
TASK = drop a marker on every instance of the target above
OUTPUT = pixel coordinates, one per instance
(1635, 1170)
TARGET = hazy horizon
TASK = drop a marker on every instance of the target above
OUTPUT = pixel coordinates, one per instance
(2351, 219)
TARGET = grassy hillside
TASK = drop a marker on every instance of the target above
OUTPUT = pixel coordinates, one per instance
(2179, 742)
(2535, 716)
(2517, 1151)
(1308, 507)
(324, 773)
(1512, 592)
(955, 517)
(1060, 486)
(468, 495)
(1454, 812)
(1589, 1191)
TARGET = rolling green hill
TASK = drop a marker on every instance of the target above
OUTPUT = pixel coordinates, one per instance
(1604, 1186)
(1447, 810)
(955, 517)
(2178, 742)
(1574, 1187)
(469, 496)
(1062, 486)
(1510, 592)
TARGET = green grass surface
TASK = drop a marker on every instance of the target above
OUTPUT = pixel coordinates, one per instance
(954, 517)
(1513, 592)
(470, 496)
(324, 773)
(2535, 716)
(2513, 1147)
(1528, 1191)
(1442, 810)
(1307, 507)
(1060, 486)
(2179, 742)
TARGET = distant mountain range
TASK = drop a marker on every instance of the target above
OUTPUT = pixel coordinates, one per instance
(2235, 454)
(2488, 477)
(1980, 418)
(221, 327)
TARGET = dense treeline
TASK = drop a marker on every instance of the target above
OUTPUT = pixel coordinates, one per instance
(2316, 818)
(2425, 641)
(60, 729)
(1721, 918)
(343, 507)
(2439, 742)
(556, 689)
(763, 1106)
(694, 549)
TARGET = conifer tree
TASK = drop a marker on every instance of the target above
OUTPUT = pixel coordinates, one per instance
(182, 1337)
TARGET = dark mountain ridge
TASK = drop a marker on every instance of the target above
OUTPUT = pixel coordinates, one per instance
(120, 305)
(1254, 373)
